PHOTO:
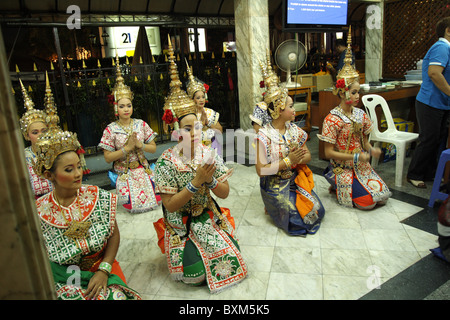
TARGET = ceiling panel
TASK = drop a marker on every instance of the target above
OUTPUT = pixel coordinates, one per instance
(10, 6)
(185, 7)
(188, 7)
(158, 6)
(42, 5)
(110, 6)
(133, 6)
(208, 7)
(227, 8)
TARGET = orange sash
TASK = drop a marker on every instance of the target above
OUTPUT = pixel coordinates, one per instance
(304, 180)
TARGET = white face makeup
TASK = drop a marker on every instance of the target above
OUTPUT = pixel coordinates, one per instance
(35, 130)
(199, 98)
(68, 172)
(124, 108)
(190, 133)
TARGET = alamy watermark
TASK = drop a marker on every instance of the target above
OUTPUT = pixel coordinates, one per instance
(373, 20)
(374, 279)
(75, 276)
(74, 20)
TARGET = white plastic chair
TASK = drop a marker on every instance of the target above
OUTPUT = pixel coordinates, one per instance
(399, 138)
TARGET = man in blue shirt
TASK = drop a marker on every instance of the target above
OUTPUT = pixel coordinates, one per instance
(432, 107)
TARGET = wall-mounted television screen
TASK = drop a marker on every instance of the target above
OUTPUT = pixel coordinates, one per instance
(314, 15)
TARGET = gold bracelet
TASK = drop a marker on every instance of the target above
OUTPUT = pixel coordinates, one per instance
(104, 271)
(288, 163)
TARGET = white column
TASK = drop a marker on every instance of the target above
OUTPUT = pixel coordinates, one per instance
(252, 40)
(374, 41)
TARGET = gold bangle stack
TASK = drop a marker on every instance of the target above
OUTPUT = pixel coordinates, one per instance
(288, 162)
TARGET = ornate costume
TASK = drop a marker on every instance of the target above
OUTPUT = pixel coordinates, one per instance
(40, 186)
(288, 196)
(134, 180)
(208, 134)
(354, 181)
(76, 236)
(260, 114)
(96, 208)
(134, 184)
(199, 238)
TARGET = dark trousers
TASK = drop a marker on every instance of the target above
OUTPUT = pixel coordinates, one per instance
(432, 132)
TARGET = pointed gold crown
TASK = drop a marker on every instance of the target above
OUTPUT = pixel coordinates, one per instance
(348, 72)
(193, 85)
(121, 90)
(273, 76)
(275, 93)
(54, 141)
(177, 102)
(52, 118)
(31, 115)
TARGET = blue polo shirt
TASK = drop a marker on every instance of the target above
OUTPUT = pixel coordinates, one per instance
(429, 94)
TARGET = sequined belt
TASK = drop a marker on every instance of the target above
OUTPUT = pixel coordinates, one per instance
(87, 262)
(356, 150)
(339, 168)
(131, 165)
(197, 209)
(285, 174)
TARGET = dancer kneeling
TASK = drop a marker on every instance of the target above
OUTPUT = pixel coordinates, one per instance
(124, 142)
(197, 236)
(78, 223)
(345, 134)
(286, 181)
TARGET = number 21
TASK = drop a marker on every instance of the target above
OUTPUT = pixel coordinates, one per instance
(127, 37)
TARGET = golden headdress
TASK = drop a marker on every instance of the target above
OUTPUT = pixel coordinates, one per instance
(273, 76)
(275, 93)
(121, 90)
(348, 74)
(55, 141)
(193, 85)
(31, 115)
(177, 103)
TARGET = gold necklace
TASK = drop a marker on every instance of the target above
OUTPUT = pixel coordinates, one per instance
(76, 230)
(128, 129)
(347, 114)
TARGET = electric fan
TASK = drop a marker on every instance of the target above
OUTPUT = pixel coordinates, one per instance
(290, 56)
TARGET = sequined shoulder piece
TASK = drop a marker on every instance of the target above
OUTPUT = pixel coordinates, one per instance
(50, 212)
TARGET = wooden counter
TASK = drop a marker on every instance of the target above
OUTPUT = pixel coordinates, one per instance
(327, 101)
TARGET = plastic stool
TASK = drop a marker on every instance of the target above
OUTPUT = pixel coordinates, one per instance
(435, 193)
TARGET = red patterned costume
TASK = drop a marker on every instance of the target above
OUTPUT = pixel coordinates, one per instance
(354, 181)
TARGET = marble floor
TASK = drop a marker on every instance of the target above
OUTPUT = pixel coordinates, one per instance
(354, 255)
(353, 252)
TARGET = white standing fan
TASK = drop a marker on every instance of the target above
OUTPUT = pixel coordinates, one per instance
(290, 56)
